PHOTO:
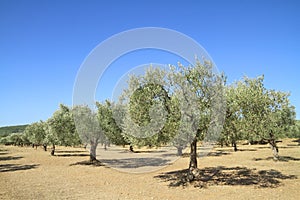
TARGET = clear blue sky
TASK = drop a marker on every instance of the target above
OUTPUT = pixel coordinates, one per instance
(43, 43)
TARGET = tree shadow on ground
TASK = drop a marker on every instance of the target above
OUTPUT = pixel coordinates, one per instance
(4, 158)
(75, 151)
(149, 151)
(298, 140)
(16, 167)
(95, 163)
(280, 159)
(3, 151)
(74, 154)
(135, 162)
(221, 175)
(247, 150)
(216, 153)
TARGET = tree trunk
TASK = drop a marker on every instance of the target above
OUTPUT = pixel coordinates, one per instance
(45, 147)
(274, 149)
(234, 146)
(179, 150)
(131, 148)
(53, 150)
(93, 152)
(193, 166)
(193, 155)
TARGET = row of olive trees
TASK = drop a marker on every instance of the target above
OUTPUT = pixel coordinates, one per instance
(58, 130)
(195, 102)
(181, 106)
(71, 127)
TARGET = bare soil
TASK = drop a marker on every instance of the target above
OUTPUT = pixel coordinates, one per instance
(250, 173)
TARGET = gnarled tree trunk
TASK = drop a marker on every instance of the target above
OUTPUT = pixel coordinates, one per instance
(179, 150)
(131, 148)
(53, 150)
(93, 151)
(274, 147)
(193, 166)
(234, 146)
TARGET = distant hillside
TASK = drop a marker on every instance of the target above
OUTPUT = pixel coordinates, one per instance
(6, 130)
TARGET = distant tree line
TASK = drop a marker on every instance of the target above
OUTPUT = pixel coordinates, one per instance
(6, 130)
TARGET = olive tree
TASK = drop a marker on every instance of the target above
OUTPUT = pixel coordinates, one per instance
(108, 124)
(87, 125)
(147, 110)
(61, 128)
(202, 104)
(232, 129)
(266, 114)
(181, 104)
(36, 134)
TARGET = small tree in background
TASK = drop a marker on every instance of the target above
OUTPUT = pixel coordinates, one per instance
(61, 128)
(267, 114)
(232, 129)
(108, 123)
(36, 134)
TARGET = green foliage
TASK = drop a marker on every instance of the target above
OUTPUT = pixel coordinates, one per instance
(256, 113)
(200, 94)
(36, 133)
(88, 127)
(61, 128)
(232, 129)
(148, 116)
(108, 123)
(294, 131)
(266, 114)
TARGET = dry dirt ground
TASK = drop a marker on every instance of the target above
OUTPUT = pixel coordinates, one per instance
(250, 173)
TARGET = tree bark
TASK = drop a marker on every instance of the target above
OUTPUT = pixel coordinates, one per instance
(193, 155)
(131, 148)
(274, 149)
(234, 146)
(193, 166)
(179, 150)
(93, 152)
(53, 150)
